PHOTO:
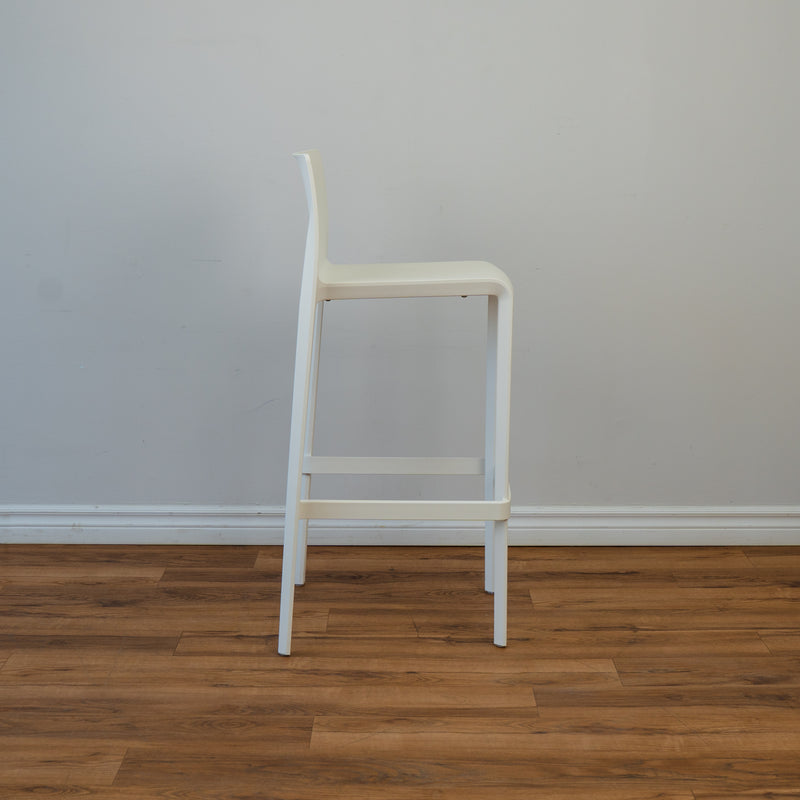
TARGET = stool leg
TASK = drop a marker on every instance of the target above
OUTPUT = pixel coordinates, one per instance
(489, 449)
(501, 445)
(305, 483)
(500, 547)
(302, 380)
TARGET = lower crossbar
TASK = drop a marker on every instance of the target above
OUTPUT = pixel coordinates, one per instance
(461, 510)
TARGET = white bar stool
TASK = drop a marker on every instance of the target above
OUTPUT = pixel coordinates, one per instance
(322, 281)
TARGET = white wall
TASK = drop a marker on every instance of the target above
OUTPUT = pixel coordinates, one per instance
(632, 164)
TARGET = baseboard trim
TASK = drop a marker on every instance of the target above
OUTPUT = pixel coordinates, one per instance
(541, 525)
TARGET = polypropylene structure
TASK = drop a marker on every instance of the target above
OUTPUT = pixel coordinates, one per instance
(322, 280)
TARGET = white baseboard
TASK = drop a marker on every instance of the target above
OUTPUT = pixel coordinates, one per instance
(263, 525)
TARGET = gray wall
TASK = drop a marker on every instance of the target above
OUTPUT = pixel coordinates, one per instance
(632, 164)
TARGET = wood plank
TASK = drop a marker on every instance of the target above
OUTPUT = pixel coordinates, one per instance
(630, 579)
(386, 622)
(746, 607)
(231, 645)
(160, 555)
(773, 557)
(773, 671)
(70, 573)
(667, 696)
(480, 723)
(143, 767)
(122, 594)
(574, 790)
(764, 793)
(775, 552)
(130, 721)
(621, 559)
(83, 643)
(208, 576)
(689, 597)
(59, 760)
(779, 642)
(699, 719)
(775, 615)
(547, 721)
(523, 746)
(778, 576)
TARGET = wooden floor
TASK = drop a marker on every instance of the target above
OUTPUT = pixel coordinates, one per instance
(151, 672)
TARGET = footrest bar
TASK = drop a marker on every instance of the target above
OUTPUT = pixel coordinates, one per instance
(460, 510)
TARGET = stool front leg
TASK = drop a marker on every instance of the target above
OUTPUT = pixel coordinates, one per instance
(311, 413)
(500, 548)
(502, 419)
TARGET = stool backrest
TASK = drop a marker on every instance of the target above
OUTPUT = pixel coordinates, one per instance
(310, 163)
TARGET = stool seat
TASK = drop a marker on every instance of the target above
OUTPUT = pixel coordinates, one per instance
(323, 280)
(416, 279)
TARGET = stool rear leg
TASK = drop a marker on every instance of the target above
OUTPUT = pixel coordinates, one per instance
(300, 403)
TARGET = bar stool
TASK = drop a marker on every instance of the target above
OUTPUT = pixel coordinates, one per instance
(322, 280)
